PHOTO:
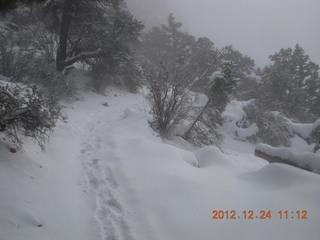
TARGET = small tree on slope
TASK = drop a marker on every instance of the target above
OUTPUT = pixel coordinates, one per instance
(204, 128)
(167, 97)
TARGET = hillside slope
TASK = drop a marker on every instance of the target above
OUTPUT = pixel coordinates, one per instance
(107, 175)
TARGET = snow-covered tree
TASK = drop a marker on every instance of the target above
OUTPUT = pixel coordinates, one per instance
(205, 59)
(98, 33)
(117, 36)
(205, 127)
(244, 69)
(291, 84)
(167, 43)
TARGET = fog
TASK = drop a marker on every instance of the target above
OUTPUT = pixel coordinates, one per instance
(257, 28)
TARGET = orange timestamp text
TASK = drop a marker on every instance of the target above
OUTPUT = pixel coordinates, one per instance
(262, 214)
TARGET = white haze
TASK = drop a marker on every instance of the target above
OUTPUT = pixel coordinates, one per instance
(258, 28)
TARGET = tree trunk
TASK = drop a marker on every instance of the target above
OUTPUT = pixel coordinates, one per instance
(278, 159)
(198, 118)
(63, 36)
(317, 146)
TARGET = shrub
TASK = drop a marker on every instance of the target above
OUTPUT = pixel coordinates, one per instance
(273, 127)
(168, 98)
(25, 112)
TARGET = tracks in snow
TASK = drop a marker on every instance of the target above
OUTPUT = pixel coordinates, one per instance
(100, 181)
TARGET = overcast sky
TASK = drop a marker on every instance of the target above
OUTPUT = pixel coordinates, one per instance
(257, 28)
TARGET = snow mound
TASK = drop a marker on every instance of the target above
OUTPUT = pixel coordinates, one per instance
(308, 161)
(233, 114)
(208, 156)
(32, 219)
(4, 80)
(280, 176)
(187, 156)
(234, 110)
(303, 130)
(129, 113)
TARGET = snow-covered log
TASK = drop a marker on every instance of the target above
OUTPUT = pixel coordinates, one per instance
(306, 161)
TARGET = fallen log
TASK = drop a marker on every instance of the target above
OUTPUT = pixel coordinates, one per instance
(305, 161)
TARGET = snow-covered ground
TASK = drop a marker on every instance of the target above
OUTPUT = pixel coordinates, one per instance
(107, 175)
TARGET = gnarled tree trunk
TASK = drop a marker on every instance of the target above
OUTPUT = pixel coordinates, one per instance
(63, 36)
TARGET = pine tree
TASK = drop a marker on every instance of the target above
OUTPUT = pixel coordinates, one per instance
(167, 43)
(205, 127)
(244, 69)
(106, 33)
(205, 59)
(292, 83)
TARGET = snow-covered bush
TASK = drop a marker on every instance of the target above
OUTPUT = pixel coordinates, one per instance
(168, 98)
(25, 112)
(273, 127)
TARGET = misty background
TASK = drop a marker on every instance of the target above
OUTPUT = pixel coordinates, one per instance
(258, 28)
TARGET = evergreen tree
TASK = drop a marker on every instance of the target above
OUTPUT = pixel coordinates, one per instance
(117, 35)
(205, 59)
(167, 43)
(205, 127)
(244, 69)
(291, 83)
(94, 32)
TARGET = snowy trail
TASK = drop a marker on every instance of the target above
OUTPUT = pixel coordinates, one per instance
(144, 189)
(96, 154)
(107, 176)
